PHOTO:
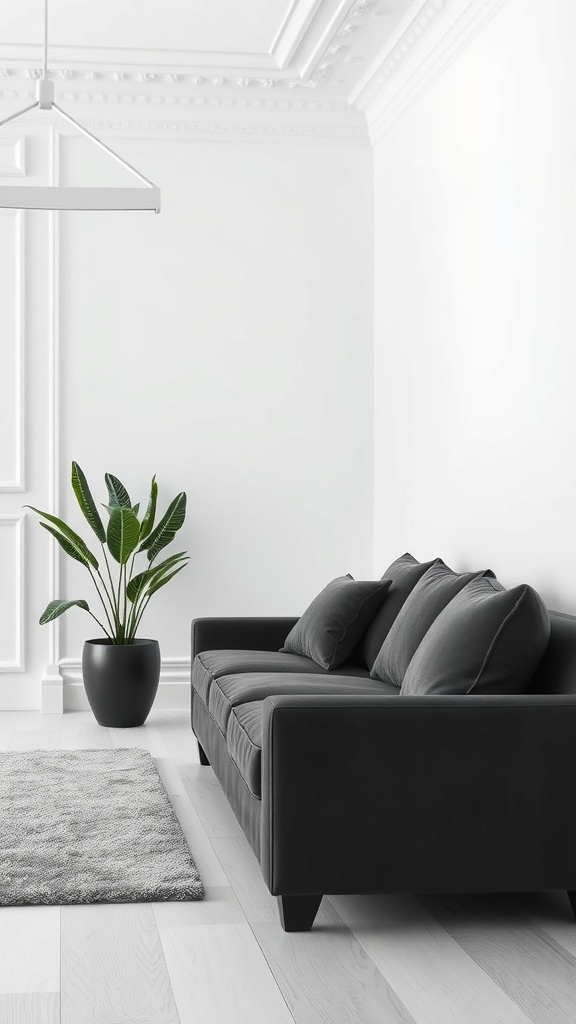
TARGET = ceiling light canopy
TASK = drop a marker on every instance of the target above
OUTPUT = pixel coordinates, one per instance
(58, 197)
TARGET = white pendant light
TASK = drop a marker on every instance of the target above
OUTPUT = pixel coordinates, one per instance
(57, 197)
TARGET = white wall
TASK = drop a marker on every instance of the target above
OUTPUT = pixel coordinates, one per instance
(227, 346)
(475, 322)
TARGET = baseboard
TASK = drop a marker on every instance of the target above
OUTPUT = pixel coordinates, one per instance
(173, 691)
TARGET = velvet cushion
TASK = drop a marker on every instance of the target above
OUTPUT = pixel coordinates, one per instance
(404, 574)
(228, 692)
(486, 640)
(209, 665)
(332, 625)
(434, 590)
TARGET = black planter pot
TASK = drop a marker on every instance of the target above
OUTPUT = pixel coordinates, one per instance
(121, 680)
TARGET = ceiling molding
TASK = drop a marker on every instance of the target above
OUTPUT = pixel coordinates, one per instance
(438, 34)
(241, 103)
(315, 37)
(203, 129)
(430, 35)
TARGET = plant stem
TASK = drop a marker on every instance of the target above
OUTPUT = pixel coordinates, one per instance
(120, 638)
(101, 599)
(112, 598)
(141, 612)
(110, 601)
(102, 627)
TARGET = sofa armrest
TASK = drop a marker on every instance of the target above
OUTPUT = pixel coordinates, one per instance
(419, 794)
(256, 633)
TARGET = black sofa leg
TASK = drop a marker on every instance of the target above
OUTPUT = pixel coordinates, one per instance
(203, 758)
(297, 913)
(572, 898)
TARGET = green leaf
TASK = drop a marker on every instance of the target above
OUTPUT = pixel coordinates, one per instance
(136, 508)
(165, 579)
(86, 502)
(167, 527)
(137, 584)
(123, 534)
(66, 545)
(148, 521)
(83, 553)
(56, 608)
(118, 496)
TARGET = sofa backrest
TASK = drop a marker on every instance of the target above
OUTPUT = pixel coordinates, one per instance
(557, 670)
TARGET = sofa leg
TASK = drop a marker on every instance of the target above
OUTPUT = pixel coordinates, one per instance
(203, 758)
(297, 913)
(572, 898)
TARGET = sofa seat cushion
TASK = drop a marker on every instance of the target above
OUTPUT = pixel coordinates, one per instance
(228, 692)
(210, 665)
(244, 742)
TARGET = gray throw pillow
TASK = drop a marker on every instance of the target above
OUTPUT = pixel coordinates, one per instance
(487, 640)
(434, 590)
(332, 625)
(404, 573)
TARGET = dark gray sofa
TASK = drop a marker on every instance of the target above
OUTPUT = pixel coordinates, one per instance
(341, 785)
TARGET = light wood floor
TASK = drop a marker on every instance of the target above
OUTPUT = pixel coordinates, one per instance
(371, 960)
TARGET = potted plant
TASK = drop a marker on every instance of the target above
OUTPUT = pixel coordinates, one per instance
(120, 671)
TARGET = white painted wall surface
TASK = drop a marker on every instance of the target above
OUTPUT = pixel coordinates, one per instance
(475, 319)
(227, 346)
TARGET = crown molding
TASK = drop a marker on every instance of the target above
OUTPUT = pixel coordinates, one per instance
(435, 37)
(304, 56)
(225, 129)
(430, 36)
(243, 101)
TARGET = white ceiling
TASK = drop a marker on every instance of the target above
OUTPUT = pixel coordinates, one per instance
(325, 45)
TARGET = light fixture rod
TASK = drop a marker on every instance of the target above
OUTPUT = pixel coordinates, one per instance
(18, 113)
(102, 145)
(45, 39)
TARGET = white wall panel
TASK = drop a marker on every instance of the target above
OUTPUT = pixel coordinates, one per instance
(12, 593)
(12, 349)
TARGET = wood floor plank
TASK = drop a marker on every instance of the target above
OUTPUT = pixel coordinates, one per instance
(206, 860)
(245, 876)
(113, 968)
(146, 737)
(29, 949)
(179, 740)
(80, 731)
(7, 723)
(326, 976)
(219, 906)
(551, 912)
(220, 975)
(30, 1008)
(209, 800)
(524, 961)
(432, 975)
(40, 739)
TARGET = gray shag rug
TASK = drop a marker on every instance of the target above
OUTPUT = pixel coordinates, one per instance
(89, 826)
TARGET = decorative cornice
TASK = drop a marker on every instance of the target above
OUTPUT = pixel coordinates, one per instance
(226, 130)
(406, 70)
(398, 50)
(225, 101)
(336, 48)
(355, 134)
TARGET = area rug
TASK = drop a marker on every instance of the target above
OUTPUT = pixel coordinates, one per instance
(89, 826)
